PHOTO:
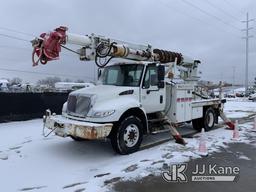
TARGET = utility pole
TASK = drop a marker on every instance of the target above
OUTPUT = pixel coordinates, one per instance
(234, 73)
(247, 49)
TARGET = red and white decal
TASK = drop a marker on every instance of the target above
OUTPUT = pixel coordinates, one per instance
(185, 99)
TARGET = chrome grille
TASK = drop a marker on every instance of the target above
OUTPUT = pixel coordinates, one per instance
(78, 105)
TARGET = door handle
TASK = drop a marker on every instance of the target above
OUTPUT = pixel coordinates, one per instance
(161, 98)
(148, 91)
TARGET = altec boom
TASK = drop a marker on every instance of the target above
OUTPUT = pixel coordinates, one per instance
(48, 48)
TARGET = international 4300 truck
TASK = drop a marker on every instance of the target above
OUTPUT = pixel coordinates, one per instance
(148, 87)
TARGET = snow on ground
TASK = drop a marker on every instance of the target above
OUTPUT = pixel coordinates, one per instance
(239, 108)
(30, 162)
(244, 157)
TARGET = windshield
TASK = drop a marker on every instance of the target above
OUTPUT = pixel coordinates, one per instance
(122, 75)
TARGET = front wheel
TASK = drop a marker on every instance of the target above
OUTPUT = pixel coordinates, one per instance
(127, 136)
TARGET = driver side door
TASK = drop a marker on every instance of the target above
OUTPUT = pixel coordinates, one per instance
(152, 98)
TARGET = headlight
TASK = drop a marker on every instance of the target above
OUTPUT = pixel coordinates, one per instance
(103, 113)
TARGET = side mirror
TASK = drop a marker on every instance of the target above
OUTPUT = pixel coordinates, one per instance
(160, 76)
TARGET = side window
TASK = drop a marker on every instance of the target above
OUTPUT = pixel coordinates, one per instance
(112, 77)
(150, 77)
(135, 74)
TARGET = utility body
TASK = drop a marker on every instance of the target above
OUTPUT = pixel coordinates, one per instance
(151, 90)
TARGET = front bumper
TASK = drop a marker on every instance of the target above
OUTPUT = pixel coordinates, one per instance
(65, 127)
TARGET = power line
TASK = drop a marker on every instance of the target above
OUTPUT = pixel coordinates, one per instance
(210, 15)
(14, 47)
(193, 17)
(16, 31)
(17, 38)
(41, 73)
(25, 40)
(183, 13)
(13, 37)
(29, 49)
(221, 10)
(234, 7)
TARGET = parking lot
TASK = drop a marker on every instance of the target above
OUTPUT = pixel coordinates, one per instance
(35, 163)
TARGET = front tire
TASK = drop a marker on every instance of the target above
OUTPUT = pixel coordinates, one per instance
(126, 137)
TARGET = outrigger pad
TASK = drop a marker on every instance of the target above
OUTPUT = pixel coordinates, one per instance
(179, 140)
(230, 125)
(228, 122)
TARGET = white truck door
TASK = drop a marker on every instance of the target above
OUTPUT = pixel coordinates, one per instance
(152, 98)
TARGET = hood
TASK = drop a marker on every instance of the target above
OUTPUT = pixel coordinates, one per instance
(103, 92)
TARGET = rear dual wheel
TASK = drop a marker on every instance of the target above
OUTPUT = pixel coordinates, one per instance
(206, 122)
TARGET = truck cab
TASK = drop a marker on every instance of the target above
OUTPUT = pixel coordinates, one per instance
(119, 104)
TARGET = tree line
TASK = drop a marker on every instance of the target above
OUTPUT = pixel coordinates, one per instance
(49, 81)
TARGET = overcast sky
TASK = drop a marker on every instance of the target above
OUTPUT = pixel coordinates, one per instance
(208, 30)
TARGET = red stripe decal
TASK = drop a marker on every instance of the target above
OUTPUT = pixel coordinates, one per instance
(186, 99)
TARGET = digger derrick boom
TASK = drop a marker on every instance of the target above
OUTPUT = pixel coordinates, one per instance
(48, 48)
(174, 82)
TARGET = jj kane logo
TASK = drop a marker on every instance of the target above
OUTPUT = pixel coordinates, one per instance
(203, 172)
(176, 173)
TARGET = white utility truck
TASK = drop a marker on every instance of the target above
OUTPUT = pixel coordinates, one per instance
(150, 88)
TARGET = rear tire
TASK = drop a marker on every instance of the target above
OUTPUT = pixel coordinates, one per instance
(197, 124)
(209, 119)
(126, 137)
(206, 122)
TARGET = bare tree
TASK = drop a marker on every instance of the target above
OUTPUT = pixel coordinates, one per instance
(49, 81)
(79, 81)
(67, 80)
(15, 81)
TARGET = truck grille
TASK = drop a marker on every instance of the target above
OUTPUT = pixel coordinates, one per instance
(78, 105)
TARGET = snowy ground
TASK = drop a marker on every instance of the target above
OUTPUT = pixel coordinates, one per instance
(29, 162)
(238, 108)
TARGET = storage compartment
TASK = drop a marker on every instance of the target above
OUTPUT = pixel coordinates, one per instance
(178, 102)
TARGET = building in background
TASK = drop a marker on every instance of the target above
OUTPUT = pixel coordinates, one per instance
(4, 84)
